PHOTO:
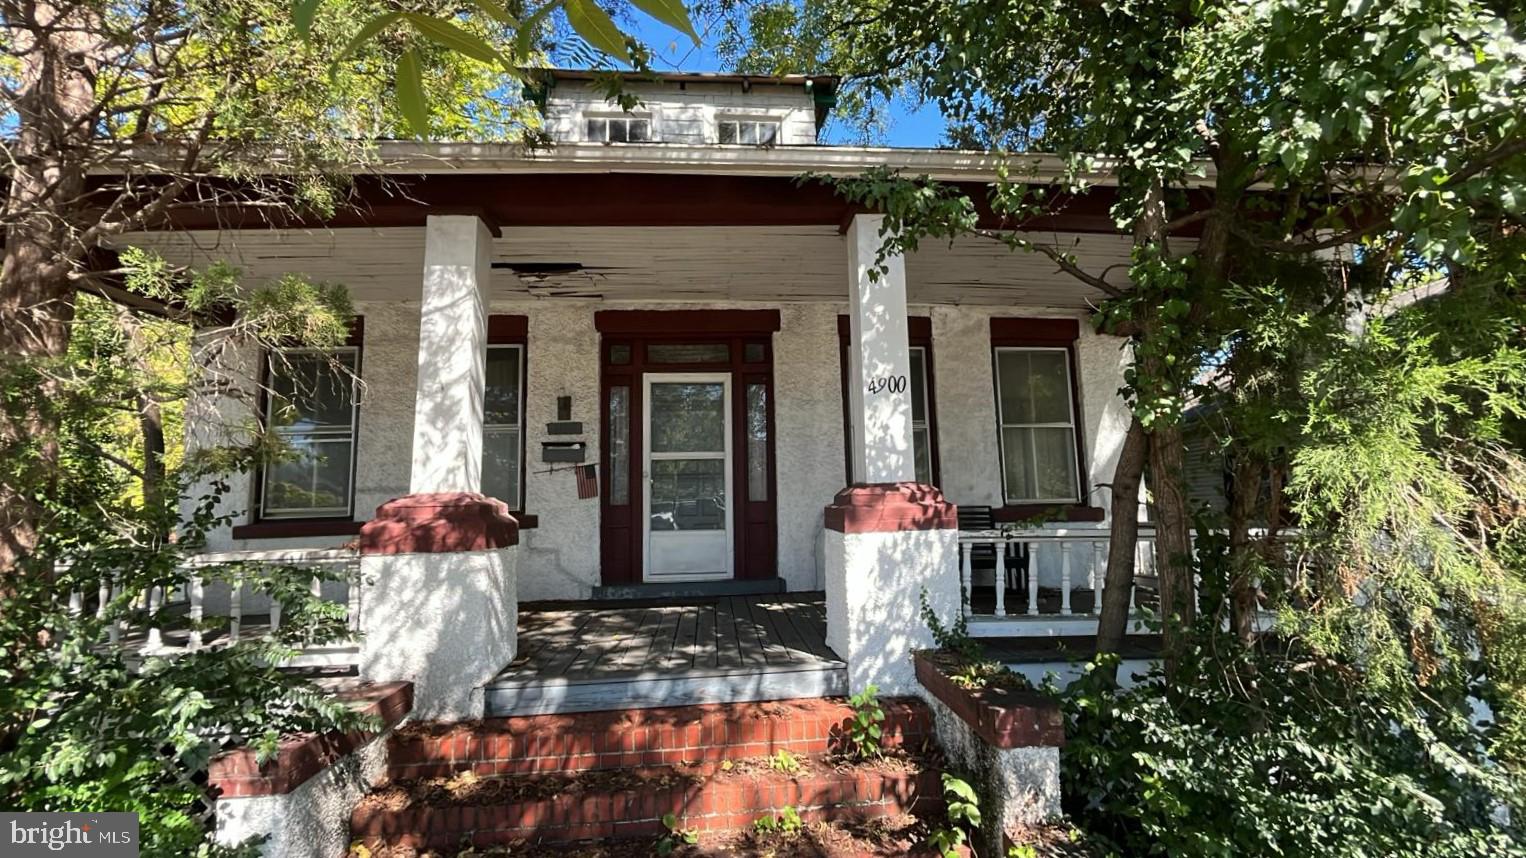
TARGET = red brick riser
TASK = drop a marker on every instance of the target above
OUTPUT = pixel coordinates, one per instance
(650, 737)
(712, 805)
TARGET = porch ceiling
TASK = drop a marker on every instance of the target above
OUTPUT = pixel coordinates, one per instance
(655, 263)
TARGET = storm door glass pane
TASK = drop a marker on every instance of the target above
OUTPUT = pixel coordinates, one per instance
(757, 442)
(688, 417)
(619, 446)
(688, 494)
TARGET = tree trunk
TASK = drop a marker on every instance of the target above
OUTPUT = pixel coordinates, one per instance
(45, 198)
(1173, 534)
(1242, 505)
(1123, 538)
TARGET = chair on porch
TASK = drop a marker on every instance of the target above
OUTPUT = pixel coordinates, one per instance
(983, 555)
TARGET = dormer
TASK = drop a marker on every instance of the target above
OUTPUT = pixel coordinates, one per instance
(689, 108)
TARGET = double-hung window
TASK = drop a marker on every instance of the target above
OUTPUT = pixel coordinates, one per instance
(311, 407)
(1036, 409)
(503, 424)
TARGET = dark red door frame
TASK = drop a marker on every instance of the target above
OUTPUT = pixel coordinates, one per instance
(754, 523)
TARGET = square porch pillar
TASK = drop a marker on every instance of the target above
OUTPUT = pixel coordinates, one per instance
(438, 565)
(448, 407)
(888, 539)
(879, 360)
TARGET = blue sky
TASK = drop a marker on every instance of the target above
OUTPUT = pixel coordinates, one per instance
(673, 51)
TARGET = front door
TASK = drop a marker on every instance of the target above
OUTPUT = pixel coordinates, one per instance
(686, 469)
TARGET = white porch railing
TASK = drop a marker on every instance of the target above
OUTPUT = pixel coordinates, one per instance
(177, 615)
(1045, 569)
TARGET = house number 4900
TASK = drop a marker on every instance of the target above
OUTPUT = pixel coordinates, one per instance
(887, 384)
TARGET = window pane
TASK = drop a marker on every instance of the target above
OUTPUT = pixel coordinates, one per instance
(688, 417)
(315, 482)
(619, 354)
(500, 465)
(728, 132)
(502, 388)
(596, 129)
(688, 353)
(754, 352)
(757, 442)
(767, 132)
(749, 133)
(921, 449)
(617, 129)
(640, 130)
(619, 445)
(1055, 464)
(310, 391)
(688, 494)
(1017, 454)
(918, 387)
(1035, 386)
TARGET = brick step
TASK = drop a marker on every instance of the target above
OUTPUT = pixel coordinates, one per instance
(588, 741)
(630, 803)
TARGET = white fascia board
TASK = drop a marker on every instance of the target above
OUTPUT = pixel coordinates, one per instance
(716, 159)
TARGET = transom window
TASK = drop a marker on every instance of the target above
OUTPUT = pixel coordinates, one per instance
(1036, 409)
(619, 129)
(311, 407)
(503, 424)
(755, 132)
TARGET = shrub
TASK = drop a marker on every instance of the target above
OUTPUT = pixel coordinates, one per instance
(1312, 763)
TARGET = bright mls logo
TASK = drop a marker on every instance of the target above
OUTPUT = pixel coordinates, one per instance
(98, 835)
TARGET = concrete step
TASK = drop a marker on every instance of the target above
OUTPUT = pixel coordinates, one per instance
(630, 803)
(616, 739)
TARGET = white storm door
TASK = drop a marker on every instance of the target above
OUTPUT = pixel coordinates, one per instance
(686, 470)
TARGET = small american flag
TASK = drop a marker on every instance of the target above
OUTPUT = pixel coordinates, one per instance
(588, 481)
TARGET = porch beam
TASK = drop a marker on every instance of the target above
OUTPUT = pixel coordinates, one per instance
(448, 407)
(879, 360)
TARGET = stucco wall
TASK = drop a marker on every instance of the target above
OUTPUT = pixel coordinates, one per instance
(559, 559)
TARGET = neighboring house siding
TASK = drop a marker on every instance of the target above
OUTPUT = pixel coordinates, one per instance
(686, 115)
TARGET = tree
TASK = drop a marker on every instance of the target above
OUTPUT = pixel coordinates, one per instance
(1392, 128)
(126, 114)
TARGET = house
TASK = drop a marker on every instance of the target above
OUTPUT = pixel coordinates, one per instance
(726, 457)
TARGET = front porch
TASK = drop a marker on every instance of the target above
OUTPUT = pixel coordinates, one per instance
(588, 656)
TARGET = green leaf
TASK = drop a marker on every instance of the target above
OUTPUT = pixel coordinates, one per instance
(596, 27)
(410, 93)
(524, 40)
(302, 12)
(449, 36)
(496, 11)
(367, 32)
(670, 12)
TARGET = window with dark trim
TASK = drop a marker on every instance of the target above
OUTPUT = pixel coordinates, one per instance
(924, 418)
(503, 424)
(503, 421)
(1037, 412)
(310, 406)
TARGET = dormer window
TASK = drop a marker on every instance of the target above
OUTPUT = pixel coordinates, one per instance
(619, 129)
(749, 132)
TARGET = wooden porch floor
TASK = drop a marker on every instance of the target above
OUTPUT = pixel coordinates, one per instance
(580, 656)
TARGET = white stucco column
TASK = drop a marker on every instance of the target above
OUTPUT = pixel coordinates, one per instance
(447, 416)
(879, 363)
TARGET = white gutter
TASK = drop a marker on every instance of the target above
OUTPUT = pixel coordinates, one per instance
(717, 159)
